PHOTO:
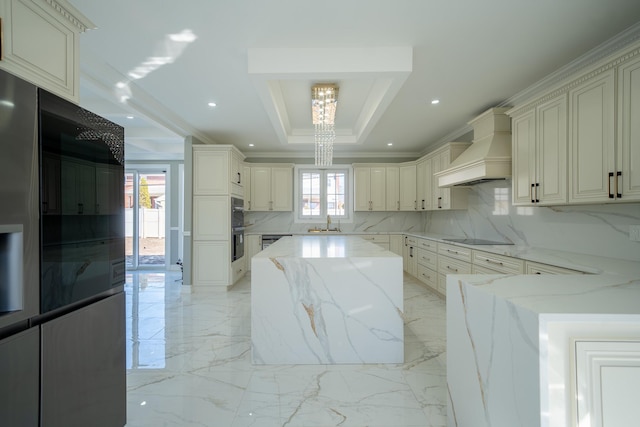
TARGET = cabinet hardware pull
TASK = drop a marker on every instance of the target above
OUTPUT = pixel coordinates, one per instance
(405, 240)
(411, 251)
(422, 204)
(610, 193)
(439, 202)
(239, 180)
(415, 205)
(453, 252)
(531, 193)
(537, 186)
(618, 175)
(493, 262)
(452, 269)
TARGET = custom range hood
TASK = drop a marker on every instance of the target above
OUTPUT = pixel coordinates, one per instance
(488, 157)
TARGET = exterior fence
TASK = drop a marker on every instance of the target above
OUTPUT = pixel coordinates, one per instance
(151, 223)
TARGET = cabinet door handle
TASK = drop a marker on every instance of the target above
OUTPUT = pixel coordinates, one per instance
(239, 178)
(452, 269)
(618, 193)
(610, 193)
(494, 262)
(439, 202)
(423, 204)
(453, 252)
(531, 193)
(537, 186)
(405, 240)
(411, 251)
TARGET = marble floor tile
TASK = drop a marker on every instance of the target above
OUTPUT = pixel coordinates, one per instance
(189, 364)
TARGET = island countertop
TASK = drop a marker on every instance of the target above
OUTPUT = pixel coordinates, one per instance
(326, 300)
(324, 246)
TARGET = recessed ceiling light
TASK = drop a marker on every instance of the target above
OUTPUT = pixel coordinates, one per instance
(211, 104)
(389, 144)
(251, 145)
(435, 101)
(130, 117)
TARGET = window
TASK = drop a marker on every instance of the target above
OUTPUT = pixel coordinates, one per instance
(322, 192)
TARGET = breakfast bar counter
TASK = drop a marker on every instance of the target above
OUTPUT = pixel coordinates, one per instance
(326, 299)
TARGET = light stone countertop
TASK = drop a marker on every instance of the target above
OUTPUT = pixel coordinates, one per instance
(324, 246)
(590, 264)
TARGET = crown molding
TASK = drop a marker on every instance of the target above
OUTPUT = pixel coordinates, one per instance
(65, 10)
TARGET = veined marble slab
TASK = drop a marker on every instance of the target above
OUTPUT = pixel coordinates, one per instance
(326, 300)
(510, 343)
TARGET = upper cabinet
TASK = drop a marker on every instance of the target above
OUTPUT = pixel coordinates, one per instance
(408, 200)
(40, 43)
(424, 183)
(540, 154)
(628, 147)
(370, 185)
(214, 172)
(271, 188)
(392, 188)
(451, 197)
(580, 143)
(592, 139)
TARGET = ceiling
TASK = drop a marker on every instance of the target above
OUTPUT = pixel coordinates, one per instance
(161, 63)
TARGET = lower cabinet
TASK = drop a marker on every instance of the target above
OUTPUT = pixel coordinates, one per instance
(252, 245)
(211, 263)
(430, 262)
(381, 240)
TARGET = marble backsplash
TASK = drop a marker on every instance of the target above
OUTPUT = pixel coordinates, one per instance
(283, 222)
(601, 230)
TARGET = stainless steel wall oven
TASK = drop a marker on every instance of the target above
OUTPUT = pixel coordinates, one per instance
(237, 228)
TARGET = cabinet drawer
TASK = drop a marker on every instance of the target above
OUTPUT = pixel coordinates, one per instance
(428, 276)
(429, 245)
(447, 265)
(478, 269)
(538, 268)
(427, 258)
(375, 238)
(499, 263)
(453, 251)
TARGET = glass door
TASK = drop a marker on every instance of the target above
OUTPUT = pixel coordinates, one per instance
(145, 208)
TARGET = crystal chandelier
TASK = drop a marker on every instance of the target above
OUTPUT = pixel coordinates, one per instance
(324, 100)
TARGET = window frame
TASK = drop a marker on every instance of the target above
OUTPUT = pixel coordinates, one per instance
(297, 185)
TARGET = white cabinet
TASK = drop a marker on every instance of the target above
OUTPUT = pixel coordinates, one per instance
(410, 256)
(41, 43)
(627, 169)
(393, 188)
(428, 263)
(211, 218)
(592, 140)
(381, 240)
(497, 264)
(408, 201)
(424, 185)
(451, 197)
(452, 260)
(539, 268)
(272, 188)
(369, 185)
(540, 154)
(396, 243)
(246, 177)
(215, 170)
(252, 245)
(216, 178)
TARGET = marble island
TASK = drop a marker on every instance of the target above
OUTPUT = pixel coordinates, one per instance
(326, 300)
(543, 350)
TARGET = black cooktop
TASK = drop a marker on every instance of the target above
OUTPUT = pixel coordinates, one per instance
(469, 241)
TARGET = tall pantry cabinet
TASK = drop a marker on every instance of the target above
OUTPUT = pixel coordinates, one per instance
(217, 176)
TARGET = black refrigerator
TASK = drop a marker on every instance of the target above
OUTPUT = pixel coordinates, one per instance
(62, 320)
